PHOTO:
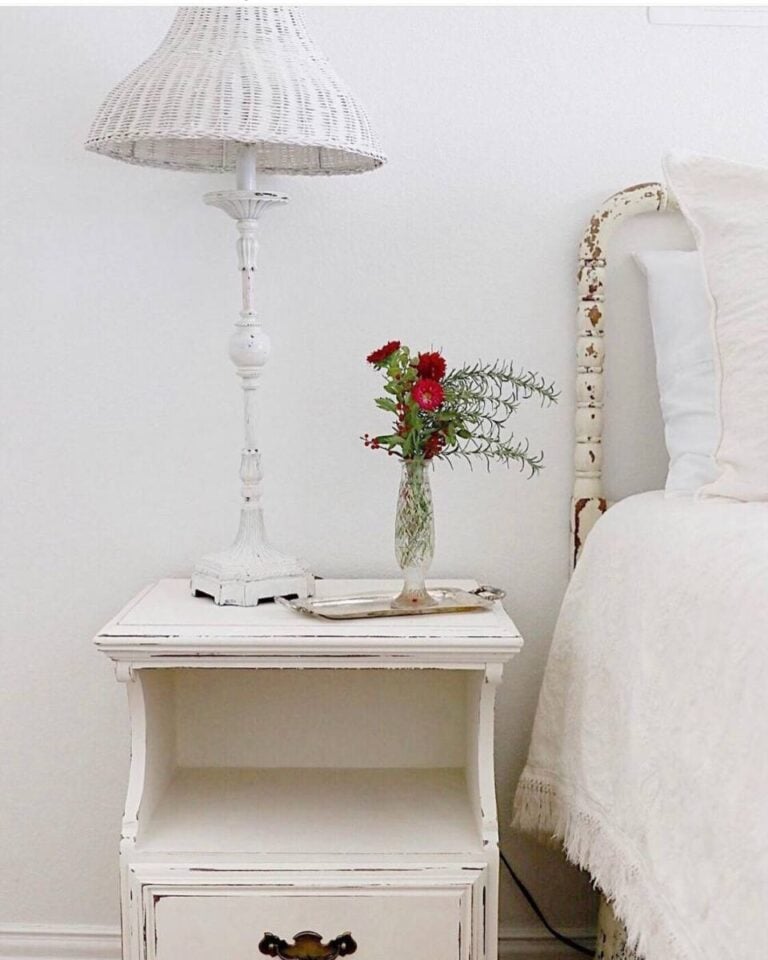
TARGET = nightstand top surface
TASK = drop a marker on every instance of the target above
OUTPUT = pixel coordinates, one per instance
(165, 622)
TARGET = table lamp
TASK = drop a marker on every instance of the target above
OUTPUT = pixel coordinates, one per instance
(243, 90)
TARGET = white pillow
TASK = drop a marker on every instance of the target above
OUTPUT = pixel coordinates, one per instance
(679, 306)
(726, 205)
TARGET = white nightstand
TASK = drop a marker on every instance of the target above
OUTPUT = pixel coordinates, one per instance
(291, 774)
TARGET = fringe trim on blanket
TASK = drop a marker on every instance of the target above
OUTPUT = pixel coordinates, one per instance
(546, 808)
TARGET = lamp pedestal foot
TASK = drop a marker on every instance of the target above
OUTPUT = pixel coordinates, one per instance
(231, 578)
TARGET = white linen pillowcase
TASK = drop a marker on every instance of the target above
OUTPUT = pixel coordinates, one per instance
(726, 206)
(679, 307)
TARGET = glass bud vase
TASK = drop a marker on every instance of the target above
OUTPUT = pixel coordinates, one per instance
(414, 534)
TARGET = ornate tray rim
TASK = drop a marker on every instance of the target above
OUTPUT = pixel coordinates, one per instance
(380, 604)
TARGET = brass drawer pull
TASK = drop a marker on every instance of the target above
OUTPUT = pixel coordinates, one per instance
(308, 946)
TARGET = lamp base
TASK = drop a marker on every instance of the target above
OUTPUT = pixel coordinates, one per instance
(244, 578)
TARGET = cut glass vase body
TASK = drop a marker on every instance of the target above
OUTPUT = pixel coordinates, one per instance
(414, 533)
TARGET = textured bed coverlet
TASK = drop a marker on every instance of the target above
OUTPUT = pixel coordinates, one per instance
(649, 756)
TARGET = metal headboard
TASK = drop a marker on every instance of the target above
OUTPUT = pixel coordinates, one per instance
(588, 502)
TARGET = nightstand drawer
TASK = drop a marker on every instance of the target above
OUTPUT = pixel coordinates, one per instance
(375, 915)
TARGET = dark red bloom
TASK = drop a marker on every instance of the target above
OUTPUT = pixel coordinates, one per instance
(383, 352)
(434, 445)
(428, 394)
(431, 366)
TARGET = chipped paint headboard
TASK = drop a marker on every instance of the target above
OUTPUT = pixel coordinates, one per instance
(588, 501)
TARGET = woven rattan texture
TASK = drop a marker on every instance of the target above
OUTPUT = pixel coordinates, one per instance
(224, 76)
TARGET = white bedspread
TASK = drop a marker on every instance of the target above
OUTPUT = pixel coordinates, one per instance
(649, 756)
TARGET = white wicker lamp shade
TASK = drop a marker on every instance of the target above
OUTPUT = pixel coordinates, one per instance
(228, 76)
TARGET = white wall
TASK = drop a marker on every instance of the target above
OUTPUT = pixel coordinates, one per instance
(120, 411)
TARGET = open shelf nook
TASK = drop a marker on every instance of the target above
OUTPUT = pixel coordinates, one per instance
(276, 811)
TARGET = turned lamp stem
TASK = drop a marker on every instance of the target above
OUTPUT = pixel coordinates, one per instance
(249, 345)
(251, 570)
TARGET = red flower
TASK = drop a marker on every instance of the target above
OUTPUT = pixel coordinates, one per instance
(428, 394)
(434, 445)
(383, 352)
(431, 366)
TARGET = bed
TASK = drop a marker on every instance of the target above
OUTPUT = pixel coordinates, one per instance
(649, 756)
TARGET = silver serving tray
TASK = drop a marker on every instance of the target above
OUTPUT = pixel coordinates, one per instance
(448, 600)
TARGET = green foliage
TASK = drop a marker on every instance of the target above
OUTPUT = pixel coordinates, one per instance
(471, 420)
(482, 397)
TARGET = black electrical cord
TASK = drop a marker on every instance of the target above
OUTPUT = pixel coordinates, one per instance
(537, 910)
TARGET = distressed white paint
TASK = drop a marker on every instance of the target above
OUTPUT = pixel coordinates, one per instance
(588, 501)
(434, 911)
(122, 417)
(323, 807)
(82, 942)
(251, 569)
